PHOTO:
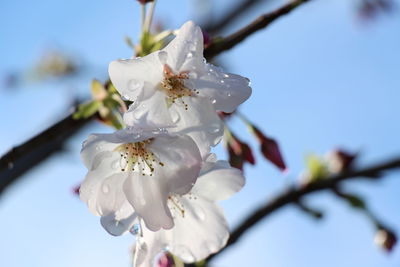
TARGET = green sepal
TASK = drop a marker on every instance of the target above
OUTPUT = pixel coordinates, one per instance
(86, 110)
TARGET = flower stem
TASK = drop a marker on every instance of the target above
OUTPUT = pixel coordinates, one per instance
(149, 17)
(143, 17)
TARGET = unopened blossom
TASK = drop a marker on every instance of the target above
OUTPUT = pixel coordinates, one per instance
(200, 226)
(137, 171)
(175, 88)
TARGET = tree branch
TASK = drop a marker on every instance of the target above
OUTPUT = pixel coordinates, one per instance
(230, 16)
(261, 22)
(292, 195)
(22, 158)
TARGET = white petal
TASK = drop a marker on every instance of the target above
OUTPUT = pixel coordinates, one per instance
(102, 190)
(149, 114)
(136, 78)
(93, 150)
(119, 222)
(200, 122)
(186, 50)
(147, 248)
(218, 181)
(226, 91)
(181, 162)
(148, 196)
(202, 231)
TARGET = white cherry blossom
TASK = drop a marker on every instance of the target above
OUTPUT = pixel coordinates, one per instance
(131, 171)
(175, 88)
(200, 226)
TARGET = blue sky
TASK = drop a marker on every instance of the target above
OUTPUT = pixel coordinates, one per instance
(321, 79)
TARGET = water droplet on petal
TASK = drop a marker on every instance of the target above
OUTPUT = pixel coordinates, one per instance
(115, 165)
(183, 252)
(189, 55)
(215, 129)
(105, 188)
(228, 94)
(222, 81)
(135, 229)
(135, 85)
(198, 212)
(162, 56)
(213, 247)
(248, 81)
(226, 75)
(213, 101)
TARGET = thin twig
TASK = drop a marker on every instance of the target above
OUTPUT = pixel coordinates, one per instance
(230, 16)
(261, 22)
(293, 195)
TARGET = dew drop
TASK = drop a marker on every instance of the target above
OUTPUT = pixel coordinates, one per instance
(215, 129)
(228, 94)
(162, 56)
(184, 253)
(213, 101)
(125, 97)
(135, 85)
(199, 212)
(226, 75)
(222, 81)
(189, 55)
(115, 165)
(135, 229)
(105, 188)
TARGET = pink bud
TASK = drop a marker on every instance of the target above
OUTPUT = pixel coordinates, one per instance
(206, 39)
(269, 148)
(165, 260)
(75, 189)
(144, 1)
(386, 239)
(340, 160)
(235, 160)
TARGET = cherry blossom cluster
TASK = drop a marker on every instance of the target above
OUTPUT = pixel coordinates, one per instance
(156, 178)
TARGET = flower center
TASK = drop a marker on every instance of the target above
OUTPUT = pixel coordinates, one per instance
(136, 157)
(174, 86)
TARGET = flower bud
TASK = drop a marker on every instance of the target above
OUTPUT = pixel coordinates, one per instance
(386, 239)
(144, 1)
(165, 260)
(269, 148)
(206, 38)
(239, 152)
(340, 160)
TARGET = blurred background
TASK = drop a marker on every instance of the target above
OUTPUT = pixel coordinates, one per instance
(324, 76)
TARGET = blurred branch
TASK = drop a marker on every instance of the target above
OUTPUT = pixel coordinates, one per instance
(293, 195)
(261, 22)
(22, 158)
(230, 16)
